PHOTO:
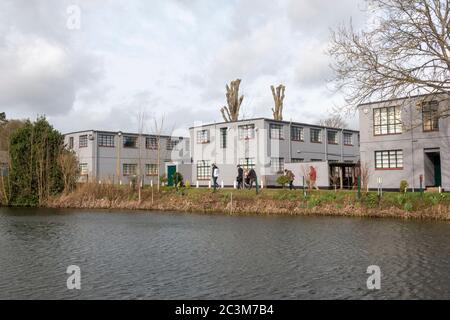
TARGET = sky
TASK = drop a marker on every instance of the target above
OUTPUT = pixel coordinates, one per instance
(98, 64)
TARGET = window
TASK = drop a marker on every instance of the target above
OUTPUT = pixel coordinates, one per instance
(151, 169)
(247, 163)
(277, 164)
(246, 131)
(203, 170)
(316, 160)
(297, 134)
(83, 169)
(71, 143)
(387, 120)
(129, 169)
(391, 159)
(83, 141)
(297, 160)
(348, 139)
(203, 136)
(223, 137)
(171, 144)
(430, 116)
(129, 142)
(332, 137)
(151, 143)
(276, 131)
(106, 140)
(316, 135)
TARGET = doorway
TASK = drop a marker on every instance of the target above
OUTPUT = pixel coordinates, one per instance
(433, 175)
(171, 169)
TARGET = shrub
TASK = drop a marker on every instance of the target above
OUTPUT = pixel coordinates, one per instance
(283, 180)
(178, 180)
(314, 202)
(163, 179)
(371, 200)
(408, 206)
(403, 186)
(187, 184)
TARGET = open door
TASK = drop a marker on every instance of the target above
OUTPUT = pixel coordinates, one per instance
(433, 175)
(171, 169)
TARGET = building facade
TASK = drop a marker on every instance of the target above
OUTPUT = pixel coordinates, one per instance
(267, 146)
(116, 157)
(406, 139)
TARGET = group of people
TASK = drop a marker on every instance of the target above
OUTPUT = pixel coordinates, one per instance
(246, 178)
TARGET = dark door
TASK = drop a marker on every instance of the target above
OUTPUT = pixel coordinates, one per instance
(170, 172)
(437, 170)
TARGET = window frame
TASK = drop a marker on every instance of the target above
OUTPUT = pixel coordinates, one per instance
(134, 146)
(244, 130)
(279, 168)
(276, 131)
(129, 165)
(203, 170)
(433, 116)
(151, 146)
(149, 172)
(319, 136)
(84, 170)
(351, 138)
(110, 143)
(71, 143)
(83, 138)
(397, 121)
(247, 163)
(336, 132)
(382, 153)
(172, 144)
(223, 134)
(201, 136)
(301, 135)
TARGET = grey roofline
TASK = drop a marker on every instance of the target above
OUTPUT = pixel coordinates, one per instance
(401, 98)
(124, 133)
(276, 121)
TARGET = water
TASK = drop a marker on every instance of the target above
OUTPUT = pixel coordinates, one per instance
(139, 255)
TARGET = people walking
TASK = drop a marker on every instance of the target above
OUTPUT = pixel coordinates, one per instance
(312, 178)
(251, 178)
(290, 175)
(240, 177)
(215, 176)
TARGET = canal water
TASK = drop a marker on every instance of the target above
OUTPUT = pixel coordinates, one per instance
(147, 255)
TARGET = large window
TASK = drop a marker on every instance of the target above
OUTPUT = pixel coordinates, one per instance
(223, 137)
(276, 131)
(332, 137)
(389, 159)
(277, 164)
(387, 120)
(297, 133)
(83, 169)
(247, 163)
(348, 139)
(151, 143)
(297, 160)
(130, 142)
(83, 141)
(106, 140)
(172, 143)
(316, 135)
(71, 143)
(430, 116)
(129, 169)
(246, 131)
(151, 169)
(203, 136)
(203, 170)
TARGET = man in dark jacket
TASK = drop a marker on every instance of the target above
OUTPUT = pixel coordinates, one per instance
(240, 177)
(251, 178)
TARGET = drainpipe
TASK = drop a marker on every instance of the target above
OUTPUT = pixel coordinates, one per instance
(342, 145)
(412, 142)
(325, 139)
(290, 140)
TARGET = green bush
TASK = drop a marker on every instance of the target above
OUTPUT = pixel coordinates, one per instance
(403, 186)
(187, 184)
(313, 202)
(371, 200)
(408, 206)
(163, 179)
(283, 180)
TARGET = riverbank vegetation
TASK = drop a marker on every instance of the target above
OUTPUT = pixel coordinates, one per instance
(266, 202)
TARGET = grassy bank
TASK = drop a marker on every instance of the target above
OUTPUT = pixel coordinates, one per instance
(267, 202)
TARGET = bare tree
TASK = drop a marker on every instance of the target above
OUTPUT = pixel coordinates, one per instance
(406, 51)
(141, 123)
(278, 97)
(334, 121)
(68, 162)
(231, 112)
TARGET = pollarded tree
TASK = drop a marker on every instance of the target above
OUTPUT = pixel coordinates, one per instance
(278, 97)
(406, 51)
(334, 121)
(231, 112)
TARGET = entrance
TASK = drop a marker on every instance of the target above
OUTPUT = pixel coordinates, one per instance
(170, 172)
(433, 177)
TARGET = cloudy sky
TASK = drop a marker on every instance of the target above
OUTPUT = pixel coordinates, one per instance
(170, 58)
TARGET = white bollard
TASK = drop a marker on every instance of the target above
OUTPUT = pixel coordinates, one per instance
(151, 183)
(262, 184)
(209, 184)
(440, 189)
(222, 185)
(197, 185)
(234, 185)
(120, 182)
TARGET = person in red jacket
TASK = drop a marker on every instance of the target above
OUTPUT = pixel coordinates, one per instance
(312, 178)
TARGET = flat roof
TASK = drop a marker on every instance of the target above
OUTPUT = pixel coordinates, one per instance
(124, 133)
(402, 98)
(277, 121)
